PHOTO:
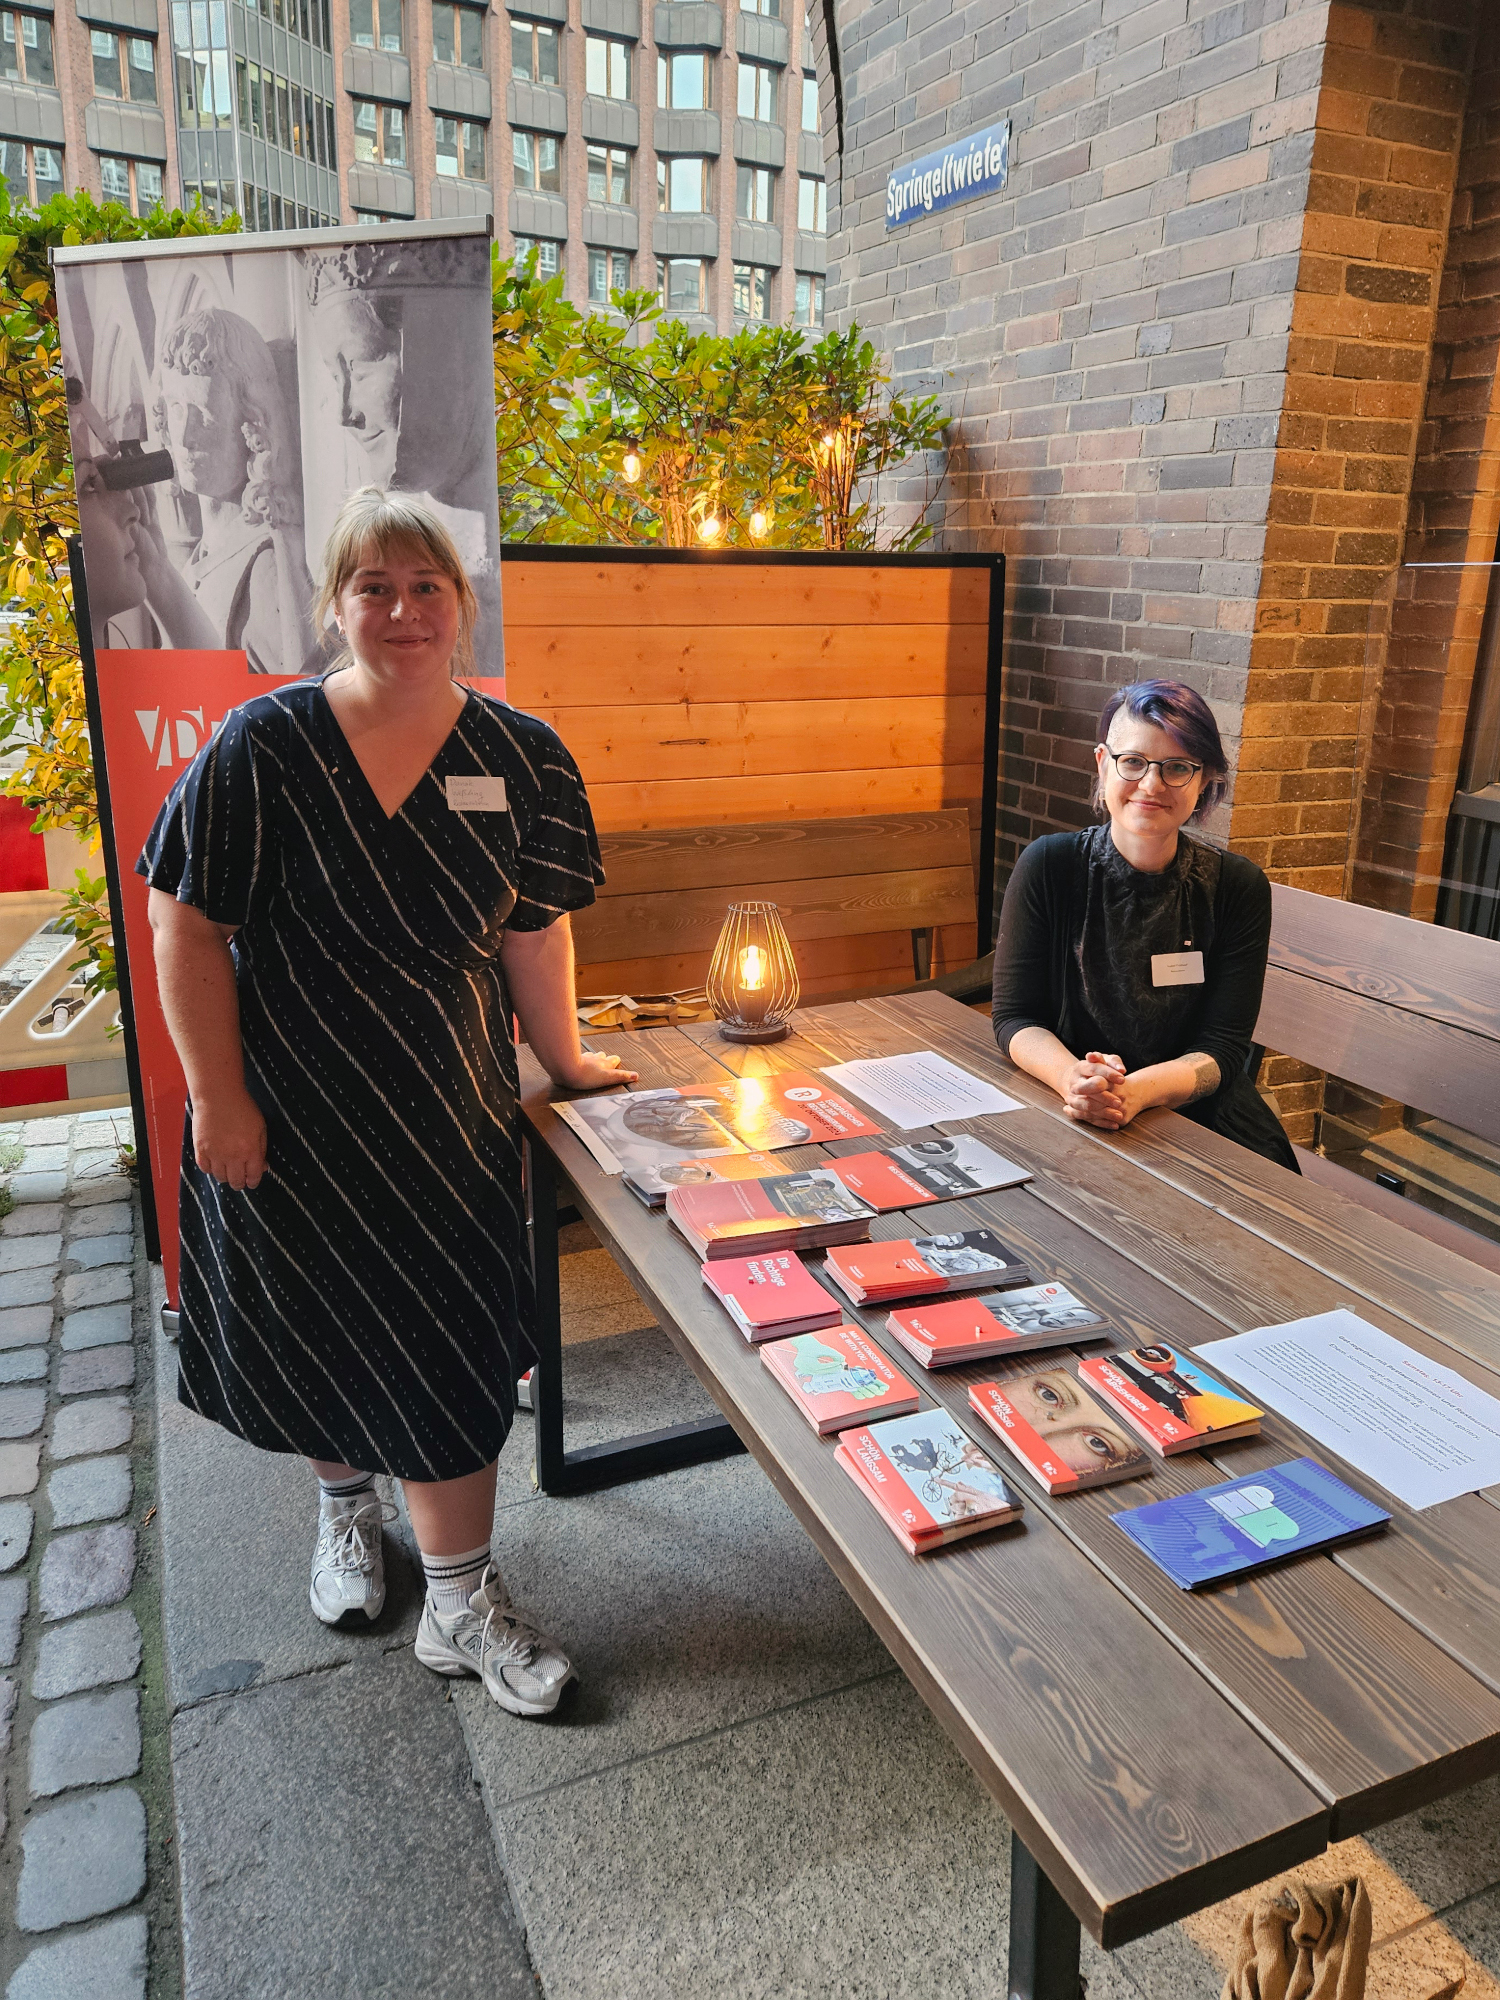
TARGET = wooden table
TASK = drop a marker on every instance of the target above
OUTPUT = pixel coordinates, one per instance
(1153, 1750)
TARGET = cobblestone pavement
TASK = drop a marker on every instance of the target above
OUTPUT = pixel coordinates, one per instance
(85, 1823)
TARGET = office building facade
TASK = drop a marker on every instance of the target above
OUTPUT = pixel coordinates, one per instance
(674, 146)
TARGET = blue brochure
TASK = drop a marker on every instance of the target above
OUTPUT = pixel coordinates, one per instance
(1246, 1523)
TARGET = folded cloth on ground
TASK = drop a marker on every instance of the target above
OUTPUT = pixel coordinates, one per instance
(648, 1010)
(1304, 1943)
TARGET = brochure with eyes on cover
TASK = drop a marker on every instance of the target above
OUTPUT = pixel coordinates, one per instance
(1059, 1433)
(1172, 1402)
(838, 1378)
(928, 1479)
(1248, 1523)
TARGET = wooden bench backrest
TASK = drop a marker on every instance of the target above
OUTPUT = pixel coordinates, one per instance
(1411, 1010)
(668, 890)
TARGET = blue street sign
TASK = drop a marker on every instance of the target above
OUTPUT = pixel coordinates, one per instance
(967, 167)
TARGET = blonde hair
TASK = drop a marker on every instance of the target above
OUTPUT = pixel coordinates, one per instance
(373, 522)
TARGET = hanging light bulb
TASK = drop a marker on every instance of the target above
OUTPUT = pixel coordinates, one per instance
(710, 528)
(760, 523)
(630, 464)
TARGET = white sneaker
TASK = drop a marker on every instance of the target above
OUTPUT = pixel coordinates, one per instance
(522, 1668)
(348, 1565)
(523, 1389)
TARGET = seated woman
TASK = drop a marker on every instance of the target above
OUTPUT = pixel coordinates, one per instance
(1131, 956)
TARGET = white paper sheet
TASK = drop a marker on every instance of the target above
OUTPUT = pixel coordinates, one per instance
(1422, 1431)
(920, 1089)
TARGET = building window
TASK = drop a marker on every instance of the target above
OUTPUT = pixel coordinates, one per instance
(609, 173)
(606, 67)
(376, 24)
(124, 66)
(682, 185)
(137, 184)
(756, 200)
(283, 114)
(812, 205)
(810, 103)
(538, 160)
(684, 82)
(26, 48)
(609, 271)
(311, 19)
(379, 133)
(32, 173)
(534, 52)
(758, 92)
(460, 150)
(770, 8)
(807, 307)
(200, 41)
(548, 254)
(682, 284)
(752, 291)
(458, 35)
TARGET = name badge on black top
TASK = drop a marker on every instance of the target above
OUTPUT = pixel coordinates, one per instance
(483, 795)
(1168, 968)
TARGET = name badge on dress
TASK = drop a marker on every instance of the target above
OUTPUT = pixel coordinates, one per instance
(476, 795)
(1169, 968)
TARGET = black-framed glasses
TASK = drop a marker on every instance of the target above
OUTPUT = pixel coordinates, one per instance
(1175, 771)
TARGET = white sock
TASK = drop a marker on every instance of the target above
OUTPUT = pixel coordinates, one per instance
(453, 1580)
(335, 1493)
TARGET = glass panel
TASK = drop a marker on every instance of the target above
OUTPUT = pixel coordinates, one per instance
(520, 50)
(812, 205)
(142, 70)
(445, 146)
(366, 131)
(685, 284)
(10, 57)
(218, 25)
(523, 159)
(148, 186)
(390, 26)
(598, 276)
(619, 175)
(619, 275)
(181, 39)
(13, 169)
(114, 178)
(546, 55)
(598, 167)
(442, 33)
(756, 202)
(257, 124)
(47, 166)
(36, 34)
(284, 113)
(223, 96)
(472, 139)
(106, 53)
(471, 38)
(687, 185)
(809, 104)
(689, 83)
(549, 165)
(395, 136)
(362, 23)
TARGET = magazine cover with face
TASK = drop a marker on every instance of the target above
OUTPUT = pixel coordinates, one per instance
(637, 1129)
(1059, 1433)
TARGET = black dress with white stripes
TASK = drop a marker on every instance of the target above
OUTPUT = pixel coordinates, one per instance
(369, 1302)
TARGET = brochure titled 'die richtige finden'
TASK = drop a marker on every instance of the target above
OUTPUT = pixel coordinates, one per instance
(1245, 1524)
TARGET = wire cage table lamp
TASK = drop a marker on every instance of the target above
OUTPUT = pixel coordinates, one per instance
(752, 981)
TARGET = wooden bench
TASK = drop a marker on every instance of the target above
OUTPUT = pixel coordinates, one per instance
(1406, 1009)
(667, 889)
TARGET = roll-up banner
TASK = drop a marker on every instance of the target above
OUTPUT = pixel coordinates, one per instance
(226, 395)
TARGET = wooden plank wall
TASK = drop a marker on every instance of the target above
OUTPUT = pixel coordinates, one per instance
(699, 695)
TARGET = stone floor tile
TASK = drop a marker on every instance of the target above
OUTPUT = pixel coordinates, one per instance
(96, 1326)
(22, 1364)
(14, 1593)
(96, 1368)
(44, 1131)
(92, 1489)
(28, 1288)
(276, 1893)
(25, 1326)
(15, 1532)
(22, 1411)
(82, 1859)
(8, 1693)
(95, 1288)
(41, 1158)
(103, 1219)
(91, 1739)
(108, 1187)
(37, 1218)
(103, 1423)
(89, 1252)
(85, 1570)
(87, 1653)
(106, 1963)
(18, 1466)
(26, 1187)
(24, 1253)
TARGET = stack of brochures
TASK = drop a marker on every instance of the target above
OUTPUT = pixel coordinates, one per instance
(650, 1184)
(770, 1297)
(1246, 1523)
(1060, 1434)
(972, 1329)
(929, 1481)
(732, 1218)
(838, 1378)
(939, 1169)
(1169, 1400)
(920, 1268)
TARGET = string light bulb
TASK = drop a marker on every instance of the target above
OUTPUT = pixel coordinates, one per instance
(760, 523)
(630, 464)
(710, 528)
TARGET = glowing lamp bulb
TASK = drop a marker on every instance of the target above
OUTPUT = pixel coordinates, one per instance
(752, 968)
(829, 440)
(630, 465)
(710, 528)
(760, 524)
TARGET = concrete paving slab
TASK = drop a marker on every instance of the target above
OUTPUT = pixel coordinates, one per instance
(332, 1842)
(26, 1252)
(96, 1326)
(227, 1513)
(22, 1364)
(85, 1253)
(21, 1411)
(85, 1570)
(18, 1466)
(108, 1186)
(90, 1740)
(98, 1219)
(27, 1288)
(688, 1602)
(102, 1287)
(92, 1489)
(36, 1218)
(81, 1859)
(87, 1653)
(106, 1963)
(102, 1423)
(96, 1368)
(40, 1187)
(26, 1326)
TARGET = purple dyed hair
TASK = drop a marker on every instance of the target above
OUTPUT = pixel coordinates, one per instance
(1183, 713)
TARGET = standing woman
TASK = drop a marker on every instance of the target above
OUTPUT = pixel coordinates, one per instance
(353, 887)
(1131, 956)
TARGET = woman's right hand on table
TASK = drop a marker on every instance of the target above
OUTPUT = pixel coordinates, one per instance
(1091, 1091)
(229, 1140)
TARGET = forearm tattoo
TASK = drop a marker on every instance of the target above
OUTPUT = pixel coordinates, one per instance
(1206, 1077)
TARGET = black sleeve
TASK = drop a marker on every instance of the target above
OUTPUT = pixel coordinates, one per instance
(1234, 972)
(214, 842)
(559, 852)
(1024, 995)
